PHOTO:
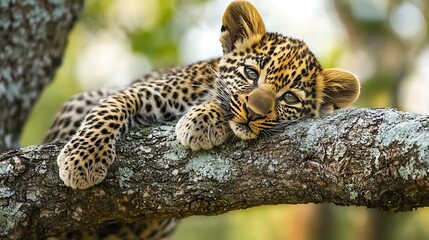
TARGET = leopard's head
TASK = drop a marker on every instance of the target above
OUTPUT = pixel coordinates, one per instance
(271, 79)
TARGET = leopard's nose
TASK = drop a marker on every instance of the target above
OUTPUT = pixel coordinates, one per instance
(252, 115)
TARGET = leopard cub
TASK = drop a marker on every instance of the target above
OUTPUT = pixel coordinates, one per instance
(262, 81)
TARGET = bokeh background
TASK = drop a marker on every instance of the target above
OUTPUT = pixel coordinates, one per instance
(384, 42)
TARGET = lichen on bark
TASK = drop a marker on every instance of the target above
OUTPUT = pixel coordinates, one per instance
(33, 37)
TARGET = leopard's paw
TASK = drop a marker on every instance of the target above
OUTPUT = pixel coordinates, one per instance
(203, 127)
(83, 162)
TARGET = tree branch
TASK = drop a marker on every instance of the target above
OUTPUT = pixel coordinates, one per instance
(364, 157)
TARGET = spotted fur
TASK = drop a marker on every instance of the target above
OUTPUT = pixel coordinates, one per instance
(143, 230)
(262, 82)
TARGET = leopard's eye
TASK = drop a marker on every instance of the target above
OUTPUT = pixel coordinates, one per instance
(290, 98)
(251, 73)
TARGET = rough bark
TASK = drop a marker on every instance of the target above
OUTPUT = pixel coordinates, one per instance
(363, 157)
(33, 35)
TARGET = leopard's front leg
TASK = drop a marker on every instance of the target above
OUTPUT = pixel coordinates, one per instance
(84, 160)
(158, 97)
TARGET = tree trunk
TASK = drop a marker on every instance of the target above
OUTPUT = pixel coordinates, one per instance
(362, 157)
(33, 35)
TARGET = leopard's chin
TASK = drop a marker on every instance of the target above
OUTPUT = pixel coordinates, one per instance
(242, 131)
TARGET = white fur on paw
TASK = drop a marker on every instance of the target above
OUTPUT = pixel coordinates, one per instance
(81, 167)
(197, 130)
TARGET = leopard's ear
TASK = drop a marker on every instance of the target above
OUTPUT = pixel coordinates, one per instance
(240, 21)
(341, 88)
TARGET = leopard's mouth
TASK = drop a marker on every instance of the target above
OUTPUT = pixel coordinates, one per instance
(242, 130)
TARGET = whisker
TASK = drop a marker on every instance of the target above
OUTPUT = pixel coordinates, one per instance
(263, 133)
